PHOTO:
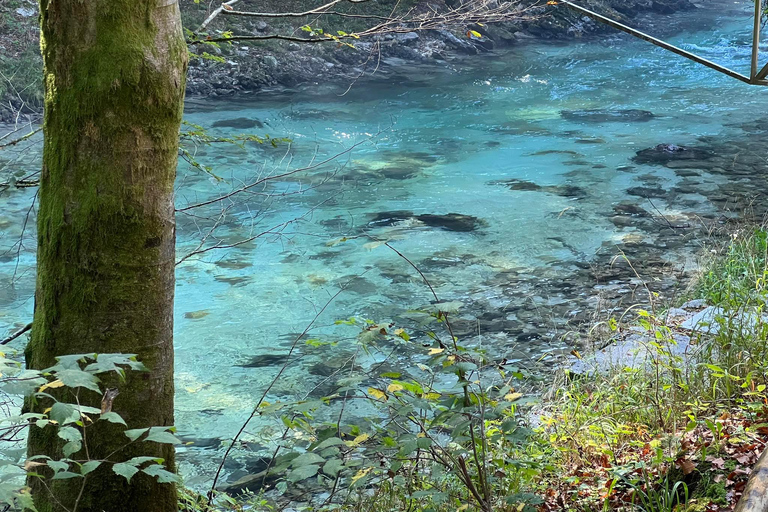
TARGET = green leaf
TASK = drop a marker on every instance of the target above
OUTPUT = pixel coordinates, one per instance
(137, 461)
(125, 470)
(58, 465)
(163, 476)
(113, 417)
(303, 473)
(89, 466)
(161, 435)
(64, 475)
(79, 379)
(69, 434)
(63, 413)
(135, 433)
(71, 447)
(332, 467)
(306, 459)
(70, 362)
(84, 409)
(331, 441)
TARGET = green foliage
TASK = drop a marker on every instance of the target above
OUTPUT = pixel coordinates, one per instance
(445, 433)
(739, 272)
(61, 385)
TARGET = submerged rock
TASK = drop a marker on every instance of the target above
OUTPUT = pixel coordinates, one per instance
(663, 154)
(265, 360)
(259, 478)
(233, 264)
(631, 210)
(196, 315)
(205, 443)
(647, 192)
(608, 116)
(239, 123)
(451, 221)
(448, 221)
(565, 190)
(557, 152)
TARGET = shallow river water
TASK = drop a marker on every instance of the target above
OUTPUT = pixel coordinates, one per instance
(532, 148)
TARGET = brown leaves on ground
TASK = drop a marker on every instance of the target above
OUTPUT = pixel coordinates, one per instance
(598, 474)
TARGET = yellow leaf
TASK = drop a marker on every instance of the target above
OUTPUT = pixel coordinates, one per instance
(431, 396)
(511, 397)
(358, 440)
(393, 388)
(377, 394)
(360, 474)
(476, 33)
(435, 351)
(51, 385)
(575, 353)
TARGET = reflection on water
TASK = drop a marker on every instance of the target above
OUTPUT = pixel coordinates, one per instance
(511, 180)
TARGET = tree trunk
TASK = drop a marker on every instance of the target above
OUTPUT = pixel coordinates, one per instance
(114, 81)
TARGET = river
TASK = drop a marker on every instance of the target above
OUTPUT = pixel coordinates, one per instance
(534, 151)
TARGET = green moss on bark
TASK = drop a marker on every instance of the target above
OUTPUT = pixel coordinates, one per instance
(114, 79)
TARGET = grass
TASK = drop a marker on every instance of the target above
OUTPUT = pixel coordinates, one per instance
(664, 422)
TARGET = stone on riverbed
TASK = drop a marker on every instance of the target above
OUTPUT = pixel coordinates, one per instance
(265, 360)
(239, 123)
(565, 190)
(448, 221)
(197, 315)
(664, 154)
(608, 116)
(259, 478)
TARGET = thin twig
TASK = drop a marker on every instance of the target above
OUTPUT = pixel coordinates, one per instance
(15, 335)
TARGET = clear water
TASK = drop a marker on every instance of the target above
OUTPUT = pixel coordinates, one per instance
(443, 137)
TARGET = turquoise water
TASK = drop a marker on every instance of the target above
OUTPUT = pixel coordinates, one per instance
(433, 140)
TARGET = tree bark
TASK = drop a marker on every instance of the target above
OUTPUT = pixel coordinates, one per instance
(114, 75)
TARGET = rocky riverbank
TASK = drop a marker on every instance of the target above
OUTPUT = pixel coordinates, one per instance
(253, 66)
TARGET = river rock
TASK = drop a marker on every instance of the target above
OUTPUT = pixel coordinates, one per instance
(239, 123)
(565, 190)
(663, 154)
(265, 361)
(448, 221)
(608, 116)
(647, 192)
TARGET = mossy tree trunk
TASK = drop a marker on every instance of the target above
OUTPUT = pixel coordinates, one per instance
(114, 81)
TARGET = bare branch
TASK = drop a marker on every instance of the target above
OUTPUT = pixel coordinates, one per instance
(469, 13)
(20, 139)
(275, 177)
(15, 335)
